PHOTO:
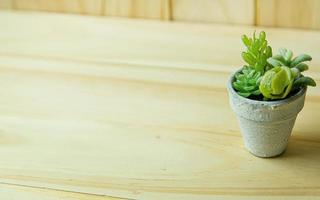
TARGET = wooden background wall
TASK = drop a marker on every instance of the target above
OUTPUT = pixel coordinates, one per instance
(278, 13)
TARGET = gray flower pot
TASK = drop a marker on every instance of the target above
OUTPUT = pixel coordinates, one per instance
(266, 125)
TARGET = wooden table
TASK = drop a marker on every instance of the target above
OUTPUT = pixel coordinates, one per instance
(102, 108)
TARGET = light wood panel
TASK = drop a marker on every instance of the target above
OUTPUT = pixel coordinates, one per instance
(20, 192)
(278, 13)
(151, 9)
(138, 109)
(227, 11)
(68, 6)
(289, 13)
(5, 4)
(154, 9)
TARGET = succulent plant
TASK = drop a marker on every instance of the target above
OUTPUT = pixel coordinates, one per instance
(276, 83)
(256, 55)
(257, 52)
(296, 66)
(270, 77)
(247, 82)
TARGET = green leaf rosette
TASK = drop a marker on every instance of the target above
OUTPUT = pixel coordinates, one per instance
(276, 83)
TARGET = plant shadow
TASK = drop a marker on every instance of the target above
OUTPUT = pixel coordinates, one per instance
(303, 146)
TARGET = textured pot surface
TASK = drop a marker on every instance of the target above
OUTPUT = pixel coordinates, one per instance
(266, 125)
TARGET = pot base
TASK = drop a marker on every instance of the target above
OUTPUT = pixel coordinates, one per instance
(266, 139)
(266, 155)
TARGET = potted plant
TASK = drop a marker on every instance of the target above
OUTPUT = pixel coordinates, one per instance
(267, 93)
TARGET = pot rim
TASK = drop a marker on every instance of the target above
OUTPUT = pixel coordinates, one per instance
(300, 93)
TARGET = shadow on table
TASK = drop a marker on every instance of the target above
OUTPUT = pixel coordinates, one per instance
(304, 146)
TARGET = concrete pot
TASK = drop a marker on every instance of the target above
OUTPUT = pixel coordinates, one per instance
(266, 125)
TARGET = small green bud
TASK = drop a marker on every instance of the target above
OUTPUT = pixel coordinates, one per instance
(245, 40)
(262, 36)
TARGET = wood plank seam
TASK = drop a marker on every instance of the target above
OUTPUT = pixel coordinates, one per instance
(103, 7)
(255, 14)
(62, 190)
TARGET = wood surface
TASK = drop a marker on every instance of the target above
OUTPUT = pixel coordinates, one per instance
(151, 9)
(96, 108)
(6, 4)
(92, 7)
(289, 13)
(226, 11)
(274, 13)
(22, 192)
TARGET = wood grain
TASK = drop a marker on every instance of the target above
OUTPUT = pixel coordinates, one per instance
(138, 109)
(274, 13)
(289, 13)
(227, 11)
(18, 192)
(92, 7)
(6, 4)
(154, 9)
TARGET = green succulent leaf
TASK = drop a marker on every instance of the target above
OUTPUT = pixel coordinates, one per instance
(282, 52)
(302, 67)
(295, 72)
(256, 92)
(248, 58)
(285, 57)
(288, 55)
(304, 81)
(275, 62)
(268, 52)
(299, 59)
(244, 94)
(247, 82)
(276, 83)
(246, 40)
(279, 58)
(257, 51)
(262, 36)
